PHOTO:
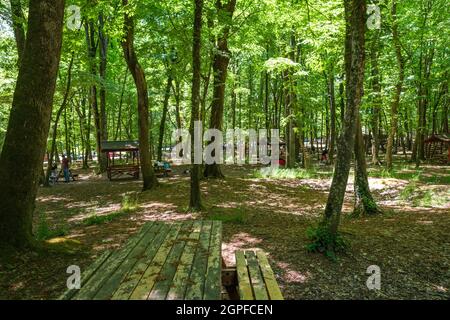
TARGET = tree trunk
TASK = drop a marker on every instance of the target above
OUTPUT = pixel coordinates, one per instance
(55, 125)
(195, 203)
(162, 126)
(221, 61)
(18, 20)
(377, 99)
(364, 202)
(103, 45)
(332, 100)
(137, 72)
(398, 88)
(29, 122)
(92, 53)
(355, 12)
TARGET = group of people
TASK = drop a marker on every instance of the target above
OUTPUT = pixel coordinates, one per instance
(65, 168)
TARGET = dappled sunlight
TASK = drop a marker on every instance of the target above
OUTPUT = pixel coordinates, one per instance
(292, 276)
(238, 241)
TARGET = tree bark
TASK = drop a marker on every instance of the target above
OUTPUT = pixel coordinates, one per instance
(29, 122)
(332, 102)
(377, 99)
(195, 203)
(364, 202)
(18, 20)
(398, 88)
(103, 45)
(137, 72)
(355, 12)
(221, 61)
(162, 125)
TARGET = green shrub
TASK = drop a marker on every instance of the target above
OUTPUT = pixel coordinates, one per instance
(129, 202)
(43, 231)
(322, 241)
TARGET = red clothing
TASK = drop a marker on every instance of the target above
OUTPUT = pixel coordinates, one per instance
(65, 163)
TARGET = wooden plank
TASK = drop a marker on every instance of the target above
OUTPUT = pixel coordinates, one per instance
(213, 283)
(196, 282)
(180, 280)
(245, 289)
(269, 278)
(102, 275)
(108, 288)
(134, 276)
(258, 285)
(145, 285)
(162, 285)
(87, 274)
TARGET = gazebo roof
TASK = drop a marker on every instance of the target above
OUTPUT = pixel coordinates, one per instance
(112, 146)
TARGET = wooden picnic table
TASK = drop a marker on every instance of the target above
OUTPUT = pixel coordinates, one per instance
(179, 261)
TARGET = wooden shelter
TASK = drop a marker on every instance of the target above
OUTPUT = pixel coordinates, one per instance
(122, 158)
(437, 147)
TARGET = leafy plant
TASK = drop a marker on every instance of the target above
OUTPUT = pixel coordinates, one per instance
(44, 232)
(322, 241)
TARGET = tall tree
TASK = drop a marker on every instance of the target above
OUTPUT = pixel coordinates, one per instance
(355, 13)
(221, 60)
(195, 203)
(103, 46)
(18, 20)
(377, 97)
(398, 87)
(364, 201)
(138, 74)
(29, 122)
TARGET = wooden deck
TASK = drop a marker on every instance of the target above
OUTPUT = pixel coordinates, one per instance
(180, 261)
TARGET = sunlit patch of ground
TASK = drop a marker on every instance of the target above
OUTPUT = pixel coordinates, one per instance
(409, 242)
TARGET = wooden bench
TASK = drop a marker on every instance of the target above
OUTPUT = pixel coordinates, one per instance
(180, 261)
(117, 171)
(256, 280)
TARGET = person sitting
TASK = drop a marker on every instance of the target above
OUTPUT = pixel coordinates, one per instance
(54, 174)
(324, 157)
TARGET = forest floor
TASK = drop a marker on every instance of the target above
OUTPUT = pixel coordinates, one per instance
(410, 242)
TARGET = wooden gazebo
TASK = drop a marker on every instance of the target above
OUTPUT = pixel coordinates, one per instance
(437, 147)
(122, 158)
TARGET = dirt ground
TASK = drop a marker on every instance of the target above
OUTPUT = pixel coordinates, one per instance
(410, 242)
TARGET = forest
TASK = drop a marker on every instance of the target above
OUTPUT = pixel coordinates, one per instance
(104, 106)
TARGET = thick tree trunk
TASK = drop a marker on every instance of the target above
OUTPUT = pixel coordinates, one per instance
(355, 12)
(221, 61)
(364, 202)
(29, 122)
(195, 203)
(398, 88)
(137, 72)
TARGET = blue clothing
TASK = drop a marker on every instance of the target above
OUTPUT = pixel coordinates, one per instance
(66, 174)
